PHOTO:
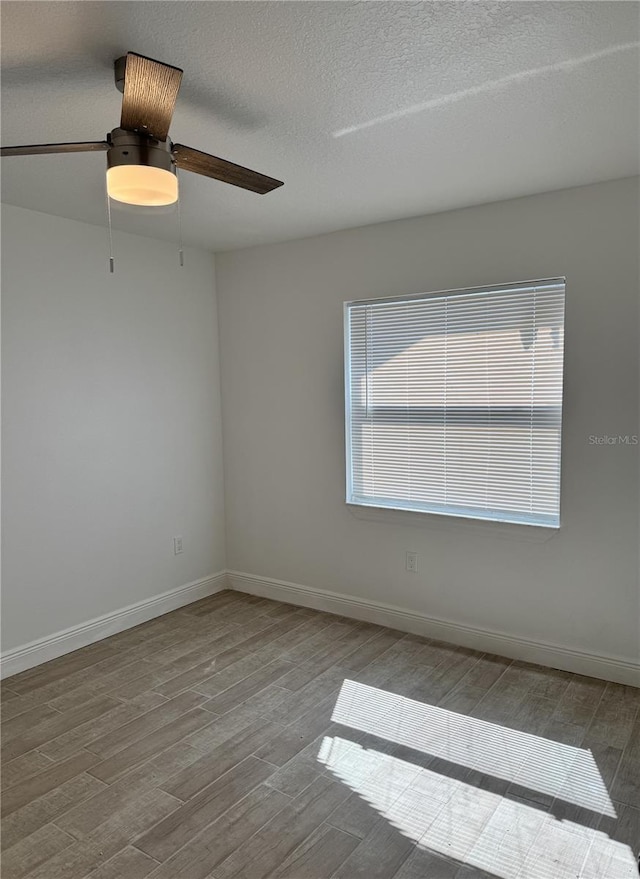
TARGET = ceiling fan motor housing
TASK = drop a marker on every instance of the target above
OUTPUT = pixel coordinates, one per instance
(140, 169)
(131, 148)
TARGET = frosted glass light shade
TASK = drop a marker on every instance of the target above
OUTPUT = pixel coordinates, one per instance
(142, 185)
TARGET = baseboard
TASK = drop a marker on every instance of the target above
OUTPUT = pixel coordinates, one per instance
(610, 668)
(32, 654)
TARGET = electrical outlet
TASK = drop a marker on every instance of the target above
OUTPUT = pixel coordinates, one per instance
(177, 545)
(412, 562)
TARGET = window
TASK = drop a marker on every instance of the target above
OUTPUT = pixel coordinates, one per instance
(454, 402)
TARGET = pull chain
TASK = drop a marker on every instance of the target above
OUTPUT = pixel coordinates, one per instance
(111, 261)
(180, 250)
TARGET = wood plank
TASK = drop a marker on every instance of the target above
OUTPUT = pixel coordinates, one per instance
(232, 674)
(486, 672)
(24, 767)
(212, 603)
(187, 821)
(621, 694)
(319, 856)
(301, 732)
(626, 787)
(370, 650)
(215, 662)
(142, 726)
(564, 733)
(130, 863)
(242, 613)
(330, 656)
(586, 690)
(227, 650)
(219, 599)
(96, 849)
(593, 769)
(355, 816)
(281, 836)
(94, 811)
(430, 688)
(308, 647)
(273, 633)
(422, 864)
(552, 683)
(144, 748)
(533, 714)
(294, 705)
(34, 850)
(216, 842)
(70, 742)
(16, 797)
(469, 811)
(508, 836)
(624, 827)
(300, 771)
(103, 684)
(463, 698)
(62, 667)
(576, 712)
(310, 628)
(560, 852)
(16, 726)
(237, 648)
(501, 701)
(19, 705)
(252, 684)
(55, 726)
(211, 766)
(36, 814)
(192, 648)
(267, 702)
(338, 639)
(612, 722)
(170, 633)
(221, 728)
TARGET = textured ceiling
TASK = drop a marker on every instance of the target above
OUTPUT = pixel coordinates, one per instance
(368, 111)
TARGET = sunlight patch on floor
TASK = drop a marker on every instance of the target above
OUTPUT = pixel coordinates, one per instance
(534, 762)
(510, 839)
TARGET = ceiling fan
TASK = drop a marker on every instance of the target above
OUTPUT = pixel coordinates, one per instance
(142, 161)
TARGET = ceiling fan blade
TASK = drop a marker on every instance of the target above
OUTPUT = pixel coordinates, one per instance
(150, 92)
(202, 163)
(43, 149)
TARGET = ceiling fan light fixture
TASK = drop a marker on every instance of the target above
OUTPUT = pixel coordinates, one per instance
(143, 185)
(140, 169)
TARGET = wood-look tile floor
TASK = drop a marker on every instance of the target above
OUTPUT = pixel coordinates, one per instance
(240, 738)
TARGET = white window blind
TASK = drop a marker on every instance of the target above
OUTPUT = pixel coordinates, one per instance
(454, 402)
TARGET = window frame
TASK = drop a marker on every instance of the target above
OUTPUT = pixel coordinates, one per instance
(553, 414)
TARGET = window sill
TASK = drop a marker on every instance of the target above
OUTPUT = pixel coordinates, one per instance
(458, 524)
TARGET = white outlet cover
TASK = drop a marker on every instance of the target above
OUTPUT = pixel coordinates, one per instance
(412, 562)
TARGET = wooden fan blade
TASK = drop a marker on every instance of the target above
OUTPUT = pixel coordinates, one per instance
(43, 149)
(150, 92)
(210, 166)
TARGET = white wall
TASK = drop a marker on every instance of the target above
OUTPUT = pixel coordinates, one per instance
(280, 312)
(111, 423)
